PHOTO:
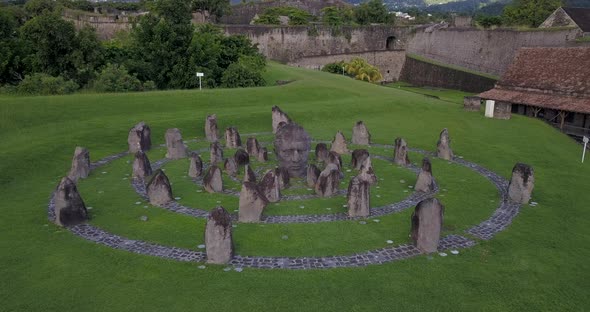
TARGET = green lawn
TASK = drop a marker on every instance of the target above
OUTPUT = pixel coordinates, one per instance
(539, 263)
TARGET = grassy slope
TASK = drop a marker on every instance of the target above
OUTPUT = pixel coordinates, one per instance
(539, 263)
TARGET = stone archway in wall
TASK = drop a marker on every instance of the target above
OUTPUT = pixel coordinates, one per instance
(390, 43)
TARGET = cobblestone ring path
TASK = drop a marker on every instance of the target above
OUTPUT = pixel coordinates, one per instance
(501, 218)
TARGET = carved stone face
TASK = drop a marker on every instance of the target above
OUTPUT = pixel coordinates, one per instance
(292, 145)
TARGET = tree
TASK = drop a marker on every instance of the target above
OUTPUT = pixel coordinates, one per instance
(216, 8)
(372, 11)
(9, 48)
(337, 16)
(530, 12)
(488, 21)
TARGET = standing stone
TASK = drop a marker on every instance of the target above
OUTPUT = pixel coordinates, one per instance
(269, 186)
(339, 144)
(521, 184)
(360, 134)
(277, 117)
(159, 191)
(262, 155)
(427, 221)
(443, 146)
(400, 155)
(230, 166)
(174, 144)
(242, 158)
(69, 207)
(358, 158)
(252, 146)
(292, 145)
(312, 175)
(219, 244)
(211, 131)
(216, 153)
(212, 180)
(283, 176)
(328, 181)
(334, 158)
(321, 152)
(425, 181)
(80, 164)
(252, 203)
(232, 138)
(358, 198)
(139, 138)
(367, 174)
(141, 166)
(249, 175)
(195, 168)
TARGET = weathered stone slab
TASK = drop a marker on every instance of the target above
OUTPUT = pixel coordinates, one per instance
(242, 158)
(283, 176)
(216, 153)
(521, 184)
(335, 159)
(232, 138)
(195, 168)
(230, 166)
(472, 103)
(400, 154)
(69, 207)
(328, 181)
(443, 146)
(425, 181)
(312, 175)
(427, 221)
(219, 243)
(212, 181)
(141, 166)
(159, 190)
(367, 173)
(262, 155)
(358, 158)
(269, 186)
(139, 138)
(80, 164)
(252, 146)
(249, 175)
(360, 134)
(358, 198)
(277, 117)
(292, 145)
(211, 130)
(321, 152)
(174, 144)
(339, 144)
(252, 203)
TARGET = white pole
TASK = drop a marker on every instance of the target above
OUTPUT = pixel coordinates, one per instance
(199, 83)
(585, 139)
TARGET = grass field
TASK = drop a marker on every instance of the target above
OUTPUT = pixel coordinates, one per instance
(539, 263)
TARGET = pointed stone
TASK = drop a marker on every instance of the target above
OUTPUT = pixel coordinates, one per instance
(252, 203)
(277, 117)
(212, 180)
(262, 155)
(522, 183)
(358, 198)
(360, 134)
(328, 181)
(249, 175)
(443, 146)
(232, 138)
(141, 166)
(159, 190)
(312, 175)
(269, 186)
(252, 146)
(216, 153)
(242, 158)
(211, 131)
(321, 152)
(219, 243)
(292, 144)
(283, 176)
(367, 173)
(400, 154)
(335, 159)
(174, 144)
(80, 164)
(339, 144)
(358, 158)
(195, 168)
(69, 207)
(427, 221)
(139, 138)
(425, 181)
(230, 166)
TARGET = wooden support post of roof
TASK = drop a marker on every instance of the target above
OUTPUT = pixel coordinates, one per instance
(562, 115)
(536, 111)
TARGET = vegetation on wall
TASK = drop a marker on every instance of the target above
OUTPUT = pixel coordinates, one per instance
(296, 16)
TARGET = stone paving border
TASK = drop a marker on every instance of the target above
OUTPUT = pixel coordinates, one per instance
(501, 218)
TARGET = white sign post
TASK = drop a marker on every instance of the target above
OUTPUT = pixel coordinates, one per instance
(200, 75)
(585, 139)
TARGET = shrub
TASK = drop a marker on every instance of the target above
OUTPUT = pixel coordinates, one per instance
(488, 21)
(114, 78)
(334, 68)
(239, 75)
(44, 84)
(296, 16)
